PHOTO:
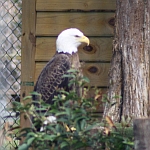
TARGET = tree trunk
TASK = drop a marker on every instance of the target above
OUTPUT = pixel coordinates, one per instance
(129, 72)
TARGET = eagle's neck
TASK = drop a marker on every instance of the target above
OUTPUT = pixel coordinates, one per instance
(66, 48)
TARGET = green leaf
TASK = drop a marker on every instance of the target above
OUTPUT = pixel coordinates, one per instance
(61, 113)
(40, 109)
(129, 143)
(51, 128)
(86, 79)
(64, 92)
(116, 96)
(58, 128)
(69, 76)
(80, 118)
(32, 134)
(68, 111)
(35, 93)
(27, 130)
(90, 127)
(50, 137)
(64, 144)
(64, 120)
(30, 140)
(23, 147)
(27, 97)
(79, 145)
(77, 126)
(72, 70)
(83, 124)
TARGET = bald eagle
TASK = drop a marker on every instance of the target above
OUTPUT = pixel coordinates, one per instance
(51, 78)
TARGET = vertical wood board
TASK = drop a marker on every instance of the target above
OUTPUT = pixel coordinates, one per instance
(27, 52)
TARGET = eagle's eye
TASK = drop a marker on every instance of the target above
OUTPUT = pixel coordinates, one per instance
(77, 36)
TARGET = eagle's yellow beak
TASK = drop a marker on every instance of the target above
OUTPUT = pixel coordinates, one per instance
(84, 39)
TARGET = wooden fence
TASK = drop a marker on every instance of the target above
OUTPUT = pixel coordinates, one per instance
(43, 20)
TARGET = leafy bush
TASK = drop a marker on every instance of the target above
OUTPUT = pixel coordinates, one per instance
(74, 128)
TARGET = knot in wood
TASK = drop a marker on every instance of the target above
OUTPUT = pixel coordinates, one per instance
(89, 49)
(23, 94)
(111, 22)
(93, 69)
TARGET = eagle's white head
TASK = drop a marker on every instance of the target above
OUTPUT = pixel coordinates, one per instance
(69, 40)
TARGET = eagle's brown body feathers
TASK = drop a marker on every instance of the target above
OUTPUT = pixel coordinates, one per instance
(51, 77)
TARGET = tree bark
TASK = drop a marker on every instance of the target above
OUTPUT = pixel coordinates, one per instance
(129, 72)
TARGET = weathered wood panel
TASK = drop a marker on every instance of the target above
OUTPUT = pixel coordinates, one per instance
(85, 5)
(92, 24)
(100, 49)
(96, 72)
(27, 52)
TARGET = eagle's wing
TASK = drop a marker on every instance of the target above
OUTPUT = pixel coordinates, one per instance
(52, 78)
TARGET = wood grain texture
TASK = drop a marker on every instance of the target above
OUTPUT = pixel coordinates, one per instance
(100, 49)
(27, 52)
(96, 72)
(91, 24)
(85, 5)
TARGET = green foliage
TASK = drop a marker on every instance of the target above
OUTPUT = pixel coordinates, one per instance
(74, 128)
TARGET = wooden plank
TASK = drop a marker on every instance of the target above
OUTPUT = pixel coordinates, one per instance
(91, 24)
(96, 72)
(100, 49)
(84, 5)
(27, 53)
(141, 129)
